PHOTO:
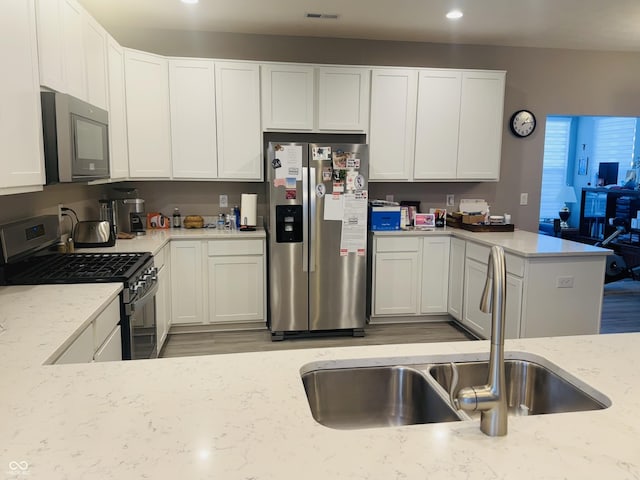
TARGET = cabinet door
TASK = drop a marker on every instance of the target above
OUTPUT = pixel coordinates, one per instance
(21, 163)
(396, 283)
(435, 274)
(148, 130)
(238, 121)
(111, 350)
(118, 152)
(74, 49)
(393, 122)
(95, 56)
(50, 44)
(456, 277)
(287, 97)
(343, 98)
(186, 282)
(437, 124)
(481, 110)
(480, 322)
(162, 314)
(236, 288)
(193, 119)
(81, 350)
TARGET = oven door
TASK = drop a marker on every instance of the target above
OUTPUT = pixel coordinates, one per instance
(139, 327)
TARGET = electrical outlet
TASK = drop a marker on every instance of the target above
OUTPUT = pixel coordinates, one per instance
(224, 201)
(564, 282)
(60, 207)
(389, 198)
(450, 199)
(524, 199)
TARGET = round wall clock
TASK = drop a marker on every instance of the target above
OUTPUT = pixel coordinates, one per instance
(522, 123)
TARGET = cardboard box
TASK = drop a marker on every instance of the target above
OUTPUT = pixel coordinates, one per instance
(472, 218)
(384, 218)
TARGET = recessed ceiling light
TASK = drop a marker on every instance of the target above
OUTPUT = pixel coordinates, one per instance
(189, 1)
(454, 14)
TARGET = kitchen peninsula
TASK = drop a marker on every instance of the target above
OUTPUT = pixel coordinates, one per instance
(246, 415)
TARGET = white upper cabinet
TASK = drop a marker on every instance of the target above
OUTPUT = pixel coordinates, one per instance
(73, 49)
(392, 127)
(148, 123)
(437, 124)
(237, 88)
(287, 97)
(95, 54)
(343, 98)
(193, 118)
(481, 111)
(21, 163)
(51, 44)
(118, 150)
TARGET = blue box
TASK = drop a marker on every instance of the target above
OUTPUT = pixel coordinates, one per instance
(384, 218)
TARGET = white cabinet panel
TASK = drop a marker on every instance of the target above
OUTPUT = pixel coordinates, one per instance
(193, 118)
(21, 163)
(236, 288)
(435, 274)
(111, 350)
(396, 282)
(163, 300)
(118, 150)
(81, 350)
(238, 121)
(393, 122)
(456, 277)
(186, 282)
(73, 48)
(437, 124)
(95, 55)
(51, 44)
(343, 98)
(481, 111)
(287, 97)
(148, 123)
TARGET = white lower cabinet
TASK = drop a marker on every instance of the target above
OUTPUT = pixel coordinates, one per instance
(236, 279)
(186, 282)
(396, 283)
(162, 262)
(435, 274)
(100, 341)
(456, 277)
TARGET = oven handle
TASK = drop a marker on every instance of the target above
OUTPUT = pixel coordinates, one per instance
(131, 307)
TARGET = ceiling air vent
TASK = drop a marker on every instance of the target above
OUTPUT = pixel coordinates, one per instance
(322, 16)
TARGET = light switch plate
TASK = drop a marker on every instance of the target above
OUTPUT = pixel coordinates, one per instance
(224, 201)
(389, 198)
(524, 199)
(450, 199)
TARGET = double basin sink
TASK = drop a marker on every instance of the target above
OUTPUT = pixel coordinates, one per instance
(406, 394)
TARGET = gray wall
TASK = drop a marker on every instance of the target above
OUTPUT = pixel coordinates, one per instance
(543, 80)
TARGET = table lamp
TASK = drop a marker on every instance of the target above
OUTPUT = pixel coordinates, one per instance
(566, 195)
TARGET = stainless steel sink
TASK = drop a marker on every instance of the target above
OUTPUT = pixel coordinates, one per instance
(367, 397)
(532, 389)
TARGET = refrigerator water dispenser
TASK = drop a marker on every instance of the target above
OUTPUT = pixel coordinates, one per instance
(288, 223)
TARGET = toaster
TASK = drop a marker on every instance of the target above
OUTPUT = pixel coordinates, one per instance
(94, 233)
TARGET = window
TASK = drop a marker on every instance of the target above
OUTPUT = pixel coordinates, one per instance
(554, 171)
(614, 139)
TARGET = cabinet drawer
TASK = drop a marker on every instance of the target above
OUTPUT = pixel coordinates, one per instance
(106, 322)
(395, 244)
(160, 258)
(111, 351)
(81, 350)
(235, 247)
(480, 253)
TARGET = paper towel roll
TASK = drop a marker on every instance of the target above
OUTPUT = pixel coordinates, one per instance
(248, 209)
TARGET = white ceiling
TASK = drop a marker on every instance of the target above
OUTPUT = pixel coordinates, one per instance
(575, 24)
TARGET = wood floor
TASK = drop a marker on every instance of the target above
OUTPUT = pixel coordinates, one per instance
(620, 314)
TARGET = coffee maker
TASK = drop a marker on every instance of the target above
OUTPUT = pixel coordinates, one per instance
(126, 213)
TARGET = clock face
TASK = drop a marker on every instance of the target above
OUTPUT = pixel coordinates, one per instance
(523, 123)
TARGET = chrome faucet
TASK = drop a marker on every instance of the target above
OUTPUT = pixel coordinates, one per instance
(490, 399)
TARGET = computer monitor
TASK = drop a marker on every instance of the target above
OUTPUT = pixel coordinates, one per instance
(608, 172)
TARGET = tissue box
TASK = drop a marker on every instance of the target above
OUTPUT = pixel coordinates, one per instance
(384, 218)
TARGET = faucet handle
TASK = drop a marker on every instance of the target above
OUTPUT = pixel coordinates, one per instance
(454, 384)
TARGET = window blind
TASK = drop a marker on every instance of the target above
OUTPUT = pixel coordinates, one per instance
(613, 141)
(554, 170)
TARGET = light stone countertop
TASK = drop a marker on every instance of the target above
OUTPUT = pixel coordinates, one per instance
(519, 242)
(245, 416)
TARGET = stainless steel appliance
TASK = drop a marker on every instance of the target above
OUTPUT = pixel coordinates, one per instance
(26, 260)
(130, 216)
(93, 233)
(76, 139)
(317, 195)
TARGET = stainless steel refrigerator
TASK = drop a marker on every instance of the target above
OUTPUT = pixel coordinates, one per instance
(317, 195)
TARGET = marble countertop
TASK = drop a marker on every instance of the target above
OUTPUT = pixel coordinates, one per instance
(245, 416)
(519, 242)
(154, 240)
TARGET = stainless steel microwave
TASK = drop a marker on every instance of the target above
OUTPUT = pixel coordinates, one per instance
(76, 139)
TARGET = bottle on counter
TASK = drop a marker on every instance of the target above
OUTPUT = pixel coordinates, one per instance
(177, 218)
(221, 221)
(231, 219)
(236, 211)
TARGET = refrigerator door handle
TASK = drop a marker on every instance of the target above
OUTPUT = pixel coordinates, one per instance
(305, 219)
(312, 226)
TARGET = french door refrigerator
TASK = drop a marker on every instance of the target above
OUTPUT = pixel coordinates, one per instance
(317, 195)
